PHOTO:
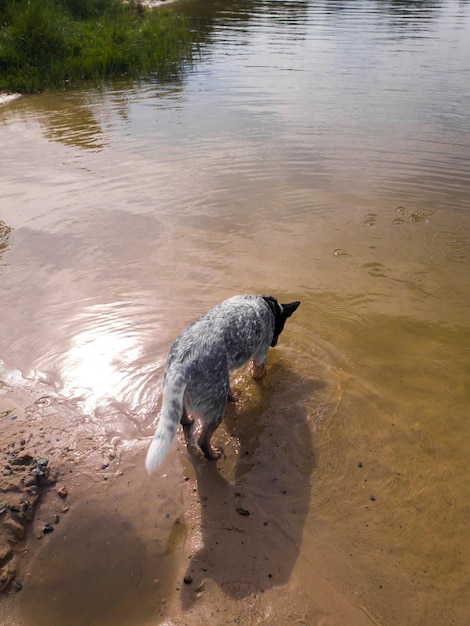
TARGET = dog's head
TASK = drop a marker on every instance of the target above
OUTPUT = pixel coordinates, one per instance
(281, 312)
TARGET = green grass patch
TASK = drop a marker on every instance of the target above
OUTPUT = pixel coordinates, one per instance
(47, 44)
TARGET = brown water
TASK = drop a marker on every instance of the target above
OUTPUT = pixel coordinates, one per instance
(318, 151)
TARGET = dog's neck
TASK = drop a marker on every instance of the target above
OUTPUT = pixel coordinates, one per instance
(275, 309)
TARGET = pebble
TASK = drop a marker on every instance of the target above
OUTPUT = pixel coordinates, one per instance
(242, 511)
(188, 579)
(62, 492)
(48, 528)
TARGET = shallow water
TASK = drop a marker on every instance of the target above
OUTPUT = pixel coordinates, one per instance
(317, 151)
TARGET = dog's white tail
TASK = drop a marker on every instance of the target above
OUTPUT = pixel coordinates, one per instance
(170, 416)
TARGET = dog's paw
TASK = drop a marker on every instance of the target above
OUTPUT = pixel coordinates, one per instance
(212, 454)
(232, 397)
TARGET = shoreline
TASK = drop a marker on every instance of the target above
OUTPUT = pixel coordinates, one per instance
(25, 476)
(31, 465)
(5, 97)
(189, 540)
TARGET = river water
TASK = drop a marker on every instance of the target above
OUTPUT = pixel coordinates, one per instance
(318, 151)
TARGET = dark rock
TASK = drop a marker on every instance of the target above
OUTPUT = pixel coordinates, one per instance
(242, 511)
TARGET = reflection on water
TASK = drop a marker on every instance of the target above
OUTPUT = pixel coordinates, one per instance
(319, 151)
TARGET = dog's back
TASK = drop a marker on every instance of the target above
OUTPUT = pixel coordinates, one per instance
(224, 339)
(196, 379)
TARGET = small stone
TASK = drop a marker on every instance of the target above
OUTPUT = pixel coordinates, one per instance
(17, 586)
(42, 463)
(241, 511)
(56, 519)
(188, 579)
(48, 528)
(373, 498)
(62, 492)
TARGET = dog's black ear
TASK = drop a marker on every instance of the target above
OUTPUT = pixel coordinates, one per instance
(290, 308)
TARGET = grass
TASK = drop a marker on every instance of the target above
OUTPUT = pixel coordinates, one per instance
(47, 44)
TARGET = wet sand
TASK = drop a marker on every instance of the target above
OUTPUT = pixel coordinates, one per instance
(25, 476)
(196, 542)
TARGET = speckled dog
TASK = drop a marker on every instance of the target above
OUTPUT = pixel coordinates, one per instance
(196, 380)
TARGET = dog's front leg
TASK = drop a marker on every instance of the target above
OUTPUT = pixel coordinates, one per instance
(259, 368)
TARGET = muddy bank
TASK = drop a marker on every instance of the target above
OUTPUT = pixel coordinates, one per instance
(41, 446)
(30, 463)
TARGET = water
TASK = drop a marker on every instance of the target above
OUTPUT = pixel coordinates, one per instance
(317, 151)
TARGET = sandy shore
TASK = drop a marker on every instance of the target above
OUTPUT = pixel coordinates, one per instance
(30, 465)
(88, 538)
(8, 97)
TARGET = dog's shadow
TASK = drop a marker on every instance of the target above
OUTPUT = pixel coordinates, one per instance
(253, 512)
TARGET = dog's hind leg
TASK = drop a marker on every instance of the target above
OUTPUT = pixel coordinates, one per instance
(187, 422)
(204, 442)
(209, 426)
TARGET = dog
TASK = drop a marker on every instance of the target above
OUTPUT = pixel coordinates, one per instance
(196, 380)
